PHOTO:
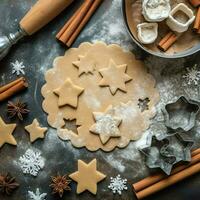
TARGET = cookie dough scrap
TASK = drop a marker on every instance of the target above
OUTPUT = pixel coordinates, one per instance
(114, 77)
(68, 94)
(85, 65)
(106, 125)
(35, 131)
(6, 131)
(87, 176)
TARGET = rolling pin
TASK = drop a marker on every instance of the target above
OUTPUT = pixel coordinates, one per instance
(36, 18)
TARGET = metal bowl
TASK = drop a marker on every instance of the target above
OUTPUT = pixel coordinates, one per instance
(185, 53)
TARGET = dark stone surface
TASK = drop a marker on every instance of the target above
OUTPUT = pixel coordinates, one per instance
(37, 52)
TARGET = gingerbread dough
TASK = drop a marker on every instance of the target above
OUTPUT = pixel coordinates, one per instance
(6, 131)
(63, 92)
(87, 176)
(35, 130)
(96, 98)
(106, 125)
(109, 77)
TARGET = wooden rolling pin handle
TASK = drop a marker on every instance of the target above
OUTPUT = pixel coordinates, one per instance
(42, 13)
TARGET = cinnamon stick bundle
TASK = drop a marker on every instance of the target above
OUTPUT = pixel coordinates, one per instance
(157, 182)
(12, 88)
(167, 41)
(73, 27)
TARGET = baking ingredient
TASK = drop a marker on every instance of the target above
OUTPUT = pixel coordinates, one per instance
(18, 67)
(106, 125)
(87, 176)
(6, 133)
(37, 195)
(12, 88)
(109, 75)
(167, 41)
(76, 23)
(192, 75)
(35, 130)
(68, 88)
(155, 10)
(60, 184)
(97, 99)
(18, 109)
(147, 32)
(31, 162)
(117, 184)
(7, 184)
(84, 66)
(175, 20)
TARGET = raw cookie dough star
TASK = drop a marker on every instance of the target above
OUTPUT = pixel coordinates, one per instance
(35, 130)
(85, 65)
(87, 176)
(68, 94)
(6, 131)
(115, 77)
(106, 125)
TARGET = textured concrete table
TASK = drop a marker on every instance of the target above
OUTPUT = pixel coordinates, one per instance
(37, 53)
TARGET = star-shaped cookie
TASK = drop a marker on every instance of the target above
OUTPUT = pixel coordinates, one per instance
(106, 125)
(35, 131)
(68, 94)
(85, 65)
(87, 176)
(115, 77)
(6, 131)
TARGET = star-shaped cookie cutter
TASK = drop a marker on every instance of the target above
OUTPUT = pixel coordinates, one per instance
(181, 114)
(164, 153)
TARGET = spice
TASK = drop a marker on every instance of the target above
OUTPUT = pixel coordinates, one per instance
(73, 27)
(60, 184)
(7, 184)
(12, 88)
(17, 109)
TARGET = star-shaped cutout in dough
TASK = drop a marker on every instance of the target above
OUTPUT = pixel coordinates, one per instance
(35, 131)
(68, 94)
(85, 65)
(87, 176)
(115, 77)
(6, 131)
(106, 125)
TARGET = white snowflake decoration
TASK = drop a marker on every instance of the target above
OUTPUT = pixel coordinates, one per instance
(192, 76)
(117, 184)
(37, 195)
(31, 162)
(18, 67)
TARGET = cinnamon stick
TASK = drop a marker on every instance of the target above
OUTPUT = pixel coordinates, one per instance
(195, 3)
(64, 28)
(146, 182)
(12, 88)
(197, 21)
(167, 41)
(77, 20)
(169, 181)
(91, 11)
(73, 27)
(6, 87)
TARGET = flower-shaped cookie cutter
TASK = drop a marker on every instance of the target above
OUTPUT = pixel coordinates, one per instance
(166, 152)
(181, 114)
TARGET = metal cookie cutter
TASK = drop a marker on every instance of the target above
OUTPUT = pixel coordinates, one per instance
(181, 115)
(165, 153)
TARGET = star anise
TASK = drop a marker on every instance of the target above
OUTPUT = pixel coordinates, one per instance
(60, 184)
(7, 184)
(17, 109)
